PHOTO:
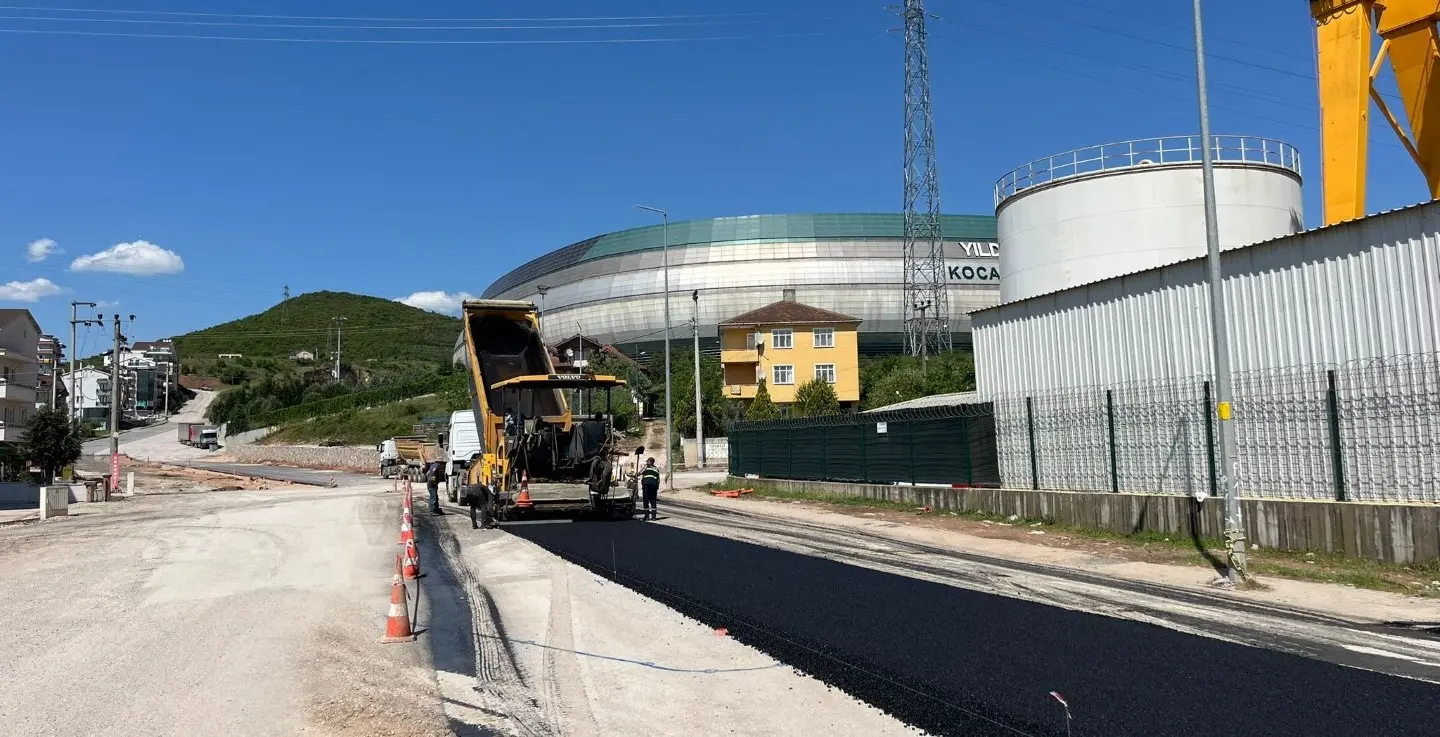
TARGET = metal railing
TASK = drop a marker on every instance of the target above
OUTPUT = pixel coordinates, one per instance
(1145, 152)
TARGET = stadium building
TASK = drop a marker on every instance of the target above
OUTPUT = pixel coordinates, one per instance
(610, 287)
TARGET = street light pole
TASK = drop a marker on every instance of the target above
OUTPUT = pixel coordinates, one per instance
(665, 268)
(699, 403)
(1219, 329)
(339, 320)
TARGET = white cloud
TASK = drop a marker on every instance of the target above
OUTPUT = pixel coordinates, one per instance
(39, 250)
(28, 291)
(139, 258)
(439, 301)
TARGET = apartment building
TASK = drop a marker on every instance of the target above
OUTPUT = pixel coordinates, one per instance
(90, 394)
(787, 344)
(51, 353)
(19, 372)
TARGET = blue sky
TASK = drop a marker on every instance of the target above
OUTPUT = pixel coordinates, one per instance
(393, 168)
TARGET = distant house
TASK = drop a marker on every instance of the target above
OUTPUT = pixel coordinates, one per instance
(224, 356)
(302, 356)
(19, 372)
(566, 353)
(90, 393)
(787, 344)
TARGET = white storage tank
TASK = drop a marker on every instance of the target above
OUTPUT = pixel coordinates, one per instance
(1104, 211)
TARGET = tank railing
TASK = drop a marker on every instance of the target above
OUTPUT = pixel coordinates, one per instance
(1171, 151)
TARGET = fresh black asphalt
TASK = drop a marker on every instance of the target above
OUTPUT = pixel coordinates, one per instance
(954, 661)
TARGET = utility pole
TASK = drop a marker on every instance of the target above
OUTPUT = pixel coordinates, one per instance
(543, 289)
(580, 395)
(115, 408)
(167, 391)
(921, 307)
(283, 304)
(699, 405)
(338, 320)
(75, 385)
(1219, 329)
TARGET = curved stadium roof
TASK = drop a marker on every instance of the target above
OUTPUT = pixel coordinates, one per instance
(745, 228)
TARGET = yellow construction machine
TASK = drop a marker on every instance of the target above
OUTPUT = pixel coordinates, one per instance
(535, 455)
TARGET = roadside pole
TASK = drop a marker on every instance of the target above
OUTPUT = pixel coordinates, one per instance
(1219, 329)
(699, 404)
(74, 385)
(115, 410)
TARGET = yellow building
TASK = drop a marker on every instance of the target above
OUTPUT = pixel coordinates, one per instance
(788, 344)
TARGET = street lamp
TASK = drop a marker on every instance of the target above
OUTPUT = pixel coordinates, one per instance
(665, 267)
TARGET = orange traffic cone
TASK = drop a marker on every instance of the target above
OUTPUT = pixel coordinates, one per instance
(523, 500)
(407, 529)
(397, 625)
(412, 561)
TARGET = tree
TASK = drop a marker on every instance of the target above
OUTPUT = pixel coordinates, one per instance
(761, 408)
(51, 441)
(892, 379)
(815, 397)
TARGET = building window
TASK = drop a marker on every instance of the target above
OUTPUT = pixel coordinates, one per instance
(784, 375)
(824, 337)
(783, 337)
(825, 372)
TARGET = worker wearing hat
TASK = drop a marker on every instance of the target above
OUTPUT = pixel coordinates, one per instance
(650, 489)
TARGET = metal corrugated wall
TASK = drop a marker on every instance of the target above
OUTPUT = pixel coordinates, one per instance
(1364, 289)
(1336, 348)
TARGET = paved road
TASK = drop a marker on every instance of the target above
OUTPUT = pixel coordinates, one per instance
(955, 661)
(284, 473)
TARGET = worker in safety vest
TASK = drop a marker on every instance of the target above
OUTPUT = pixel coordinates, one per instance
(434, 471)
(650, 489)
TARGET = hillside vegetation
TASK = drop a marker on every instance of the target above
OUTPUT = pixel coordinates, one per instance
(375, 331)
(387, 348)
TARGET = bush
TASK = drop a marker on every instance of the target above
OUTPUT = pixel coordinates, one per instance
(815, 397)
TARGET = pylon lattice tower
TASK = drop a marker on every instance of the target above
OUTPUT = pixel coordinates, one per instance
(927, 304)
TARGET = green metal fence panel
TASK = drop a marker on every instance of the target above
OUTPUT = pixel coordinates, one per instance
(941, 445)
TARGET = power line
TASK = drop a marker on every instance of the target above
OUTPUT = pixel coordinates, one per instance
(244, 24)
(432, 42)
(179, 13)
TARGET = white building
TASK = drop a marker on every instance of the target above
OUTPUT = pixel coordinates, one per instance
(90, 393)
(19, 372)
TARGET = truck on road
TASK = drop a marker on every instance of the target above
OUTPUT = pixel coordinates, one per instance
(461, 445)
(198, 435)
(535, 455)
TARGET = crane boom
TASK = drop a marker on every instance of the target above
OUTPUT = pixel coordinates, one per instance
(1345, 31)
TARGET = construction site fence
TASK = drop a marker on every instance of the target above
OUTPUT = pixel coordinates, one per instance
(1364, 431)
(953, 445)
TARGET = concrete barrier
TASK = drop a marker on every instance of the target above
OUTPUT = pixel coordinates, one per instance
(245, 438)
(717, 452)
(361, 459)
(54, 501)
(1396, 533)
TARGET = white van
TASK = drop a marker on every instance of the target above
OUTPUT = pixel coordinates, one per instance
(462, 445)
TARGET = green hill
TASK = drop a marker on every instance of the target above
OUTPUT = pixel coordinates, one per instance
(378, 334)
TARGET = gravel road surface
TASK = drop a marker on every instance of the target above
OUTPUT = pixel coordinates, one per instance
(957, 661)
(225, 613)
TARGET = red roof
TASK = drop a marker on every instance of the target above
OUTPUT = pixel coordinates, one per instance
(790, 313)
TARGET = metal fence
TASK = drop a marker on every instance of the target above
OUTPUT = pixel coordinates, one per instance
(1363, 431)
(952, 445)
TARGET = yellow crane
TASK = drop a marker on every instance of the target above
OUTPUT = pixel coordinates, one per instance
(1345, 33)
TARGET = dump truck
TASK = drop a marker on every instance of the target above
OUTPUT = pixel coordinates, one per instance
(414, 451)
(534, 454)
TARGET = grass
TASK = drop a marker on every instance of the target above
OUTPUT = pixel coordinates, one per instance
(1414, 580)
(359, 427)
